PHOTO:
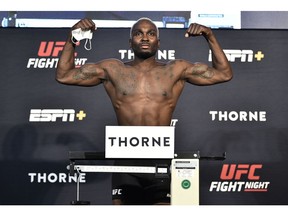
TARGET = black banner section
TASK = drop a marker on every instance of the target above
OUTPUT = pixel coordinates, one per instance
(42, 120)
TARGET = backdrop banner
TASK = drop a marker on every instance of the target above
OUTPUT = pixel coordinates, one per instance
(42, 120)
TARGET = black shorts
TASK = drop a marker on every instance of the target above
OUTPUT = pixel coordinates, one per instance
(141, 189)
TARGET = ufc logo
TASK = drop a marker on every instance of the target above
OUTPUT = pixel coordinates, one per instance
(51, 48)
(116, 191)
(234, 171)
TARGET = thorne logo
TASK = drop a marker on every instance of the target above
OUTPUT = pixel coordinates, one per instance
(232, 176)
(238, 116)
(52, 115)
(56, 178)
(142, 141)
(48, 54)
(161, 54)
(139, 142)
(240, 55)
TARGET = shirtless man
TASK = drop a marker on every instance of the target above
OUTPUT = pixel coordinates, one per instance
(144, 91)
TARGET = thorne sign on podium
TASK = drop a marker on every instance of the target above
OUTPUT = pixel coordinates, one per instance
(139, 142)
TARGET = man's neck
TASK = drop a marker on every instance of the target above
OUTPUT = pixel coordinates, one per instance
(144, 62)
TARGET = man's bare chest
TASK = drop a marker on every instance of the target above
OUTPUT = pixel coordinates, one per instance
(150, 83)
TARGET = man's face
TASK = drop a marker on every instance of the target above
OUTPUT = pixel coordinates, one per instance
(144, 39)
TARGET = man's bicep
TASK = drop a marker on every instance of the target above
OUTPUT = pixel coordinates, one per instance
(205, 75)
(199, 74)
(88, 74)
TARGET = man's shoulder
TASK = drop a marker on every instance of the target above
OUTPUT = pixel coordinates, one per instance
(170, 62)
(177, 63)
(128, 63)
(112, 60)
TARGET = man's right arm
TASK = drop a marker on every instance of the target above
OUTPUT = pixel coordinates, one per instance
(67, 73)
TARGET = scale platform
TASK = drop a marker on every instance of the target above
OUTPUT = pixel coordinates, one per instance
(184, 172)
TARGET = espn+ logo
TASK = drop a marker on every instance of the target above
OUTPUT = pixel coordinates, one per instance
(240, 178)
(234, 55)
(53, 115)
(48, 55)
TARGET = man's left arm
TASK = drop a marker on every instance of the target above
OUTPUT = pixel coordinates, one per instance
(202, 74)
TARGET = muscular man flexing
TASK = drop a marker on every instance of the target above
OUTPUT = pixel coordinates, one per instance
(144, 91)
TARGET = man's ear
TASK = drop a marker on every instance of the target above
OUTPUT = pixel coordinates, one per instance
(130, 42)
(158, 42)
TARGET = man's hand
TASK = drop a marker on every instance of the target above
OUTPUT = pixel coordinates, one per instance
(85, 24)
(197, 30)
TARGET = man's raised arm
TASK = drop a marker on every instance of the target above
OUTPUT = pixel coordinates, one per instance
(66, 72)
(203, 74)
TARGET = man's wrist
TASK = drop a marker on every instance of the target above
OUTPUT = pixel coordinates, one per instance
(74, 41)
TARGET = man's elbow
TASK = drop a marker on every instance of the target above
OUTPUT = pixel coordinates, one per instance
(228, 74)
(60, 78)
(229, 77)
